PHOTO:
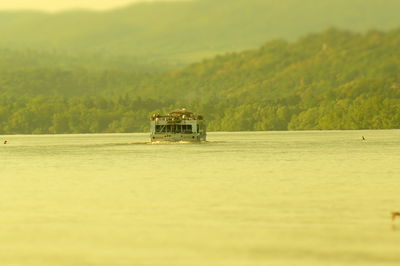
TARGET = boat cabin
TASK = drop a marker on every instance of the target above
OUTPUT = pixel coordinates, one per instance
(179, 125)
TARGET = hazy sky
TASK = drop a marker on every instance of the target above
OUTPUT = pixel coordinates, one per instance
(56, 5)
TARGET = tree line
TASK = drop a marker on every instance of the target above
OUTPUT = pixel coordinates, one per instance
(331, 80)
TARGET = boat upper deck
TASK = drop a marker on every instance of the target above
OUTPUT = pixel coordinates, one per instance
(176, 116)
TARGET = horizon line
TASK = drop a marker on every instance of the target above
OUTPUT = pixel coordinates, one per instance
(91, 9)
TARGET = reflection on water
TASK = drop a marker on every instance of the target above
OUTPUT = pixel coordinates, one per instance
(262, 198)
(395, 227)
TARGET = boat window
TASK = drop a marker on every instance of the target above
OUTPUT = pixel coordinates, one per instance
(187, 129)
(160, 128)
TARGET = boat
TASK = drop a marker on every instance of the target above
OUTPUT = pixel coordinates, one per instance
(177, 126)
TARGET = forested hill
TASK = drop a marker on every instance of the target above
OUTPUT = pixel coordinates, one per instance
(188, 31)
(332, 80)
(31, 72)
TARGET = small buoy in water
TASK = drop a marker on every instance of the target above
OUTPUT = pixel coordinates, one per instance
(5, 142)
(394, 215)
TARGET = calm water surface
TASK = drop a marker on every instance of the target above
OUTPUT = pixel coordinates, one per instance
(265, 198)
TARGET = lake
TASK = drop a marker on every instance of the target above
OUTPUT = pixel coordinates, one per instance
(309, 198)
